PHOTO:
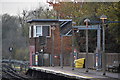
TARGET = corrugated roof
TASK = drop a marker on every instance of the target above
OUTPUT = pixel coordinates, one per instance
(48, 20)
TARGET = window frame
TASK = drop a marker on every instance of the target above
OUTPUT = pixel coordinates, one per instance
(35, 30)
(30, 31)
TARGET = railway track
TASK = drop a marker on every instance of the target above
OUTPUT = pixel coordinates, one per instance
(8, 73)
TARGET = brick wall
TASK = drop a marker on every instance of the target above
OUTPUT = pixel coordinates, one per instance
(67, 47)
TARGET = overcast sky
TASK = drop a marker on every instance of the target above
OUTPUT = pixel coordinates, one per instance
(15, 7)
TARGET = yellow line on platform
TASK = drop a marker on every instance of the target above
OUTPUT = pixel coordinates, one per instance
(70, 74)
(79, 75)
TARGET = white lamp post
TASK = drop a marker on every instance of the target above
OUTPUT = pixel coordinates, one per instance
(103, 18)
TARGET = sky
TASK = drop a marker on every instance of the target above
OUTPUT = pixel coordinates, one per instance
(15, 7)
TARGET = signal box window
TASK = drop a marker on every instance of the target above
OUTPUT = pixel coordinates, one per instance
(39, 30)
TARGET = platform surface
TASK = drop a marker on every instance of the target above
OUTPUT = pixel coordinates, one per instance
(78, 73)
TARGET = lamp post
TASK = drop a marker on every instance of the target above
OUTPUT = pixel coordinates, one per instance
(72, 55)
(53, 39)
(86, 21)
(103, 18)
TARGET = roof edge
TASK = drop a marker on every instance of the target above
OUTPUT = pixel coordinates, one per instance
(47, 20)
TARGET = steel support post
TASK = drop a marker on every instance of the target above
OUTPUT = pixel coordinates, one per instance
(103, 54)
(87, 50)
(72, 61)
(99, 48)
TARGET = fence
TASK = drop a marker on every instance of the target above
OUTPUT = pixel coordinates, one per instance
(110, 58)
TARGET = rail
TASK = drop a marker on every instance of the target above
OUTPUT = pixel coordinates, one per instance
(10, 73)
(20, 64)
